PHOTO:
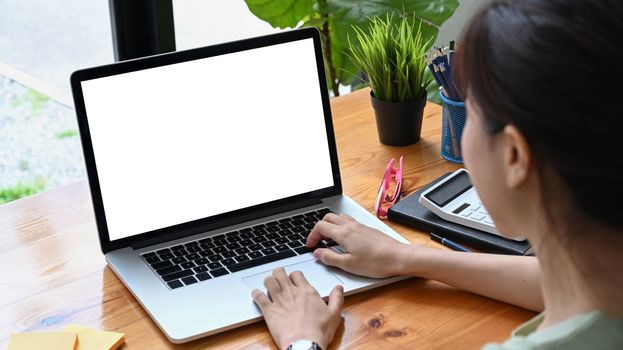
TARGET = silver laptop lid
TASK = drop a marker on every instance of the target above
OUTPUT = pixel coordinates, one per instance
(202, 138)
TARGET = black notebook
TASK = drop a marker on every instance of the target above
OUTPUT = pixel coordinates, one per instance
(410, 212)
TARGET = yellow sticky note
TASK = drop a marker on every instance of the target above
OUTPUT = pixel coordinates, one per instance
(93, 339)
(43, 340)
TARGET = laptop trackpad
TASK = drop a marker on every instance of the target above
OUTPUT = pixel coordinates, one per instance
(316, 273)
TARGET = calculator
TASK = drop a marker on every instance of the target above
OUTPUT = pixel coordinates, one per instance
(455, 199)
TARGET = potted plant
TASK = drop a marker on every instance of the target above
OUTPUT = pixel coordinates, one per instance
(391, 55)
(335, 19)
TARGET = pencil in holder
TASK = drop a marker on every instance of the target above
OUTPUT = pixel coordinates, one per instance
(454, 117)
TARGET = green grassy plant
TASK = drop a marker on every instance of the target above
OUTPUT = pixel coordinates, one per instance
(392, 57)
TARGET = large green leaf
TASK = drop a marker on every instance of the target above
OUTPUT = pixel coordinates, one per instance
(343, 14)
(281, 13)
(357, 11)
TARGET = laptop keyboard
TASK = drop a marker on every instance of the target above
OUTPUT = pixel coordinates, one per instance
(234, 251)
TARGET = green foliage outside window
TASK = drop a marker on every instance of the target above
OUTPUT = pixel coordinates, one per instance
(20, 190)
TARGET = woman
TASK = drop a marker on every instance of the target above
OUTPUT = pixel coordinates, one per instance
(542, 147)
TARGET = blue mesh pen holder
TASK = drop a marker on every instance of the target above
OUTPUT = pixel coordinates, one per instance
(453, 117)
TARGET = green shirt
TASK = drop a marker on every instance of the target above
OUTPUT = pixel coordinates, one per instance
(592, 330)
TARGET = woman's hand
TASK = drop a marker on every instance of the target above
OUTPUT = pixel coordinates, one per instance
(297, 311)
(369, 252)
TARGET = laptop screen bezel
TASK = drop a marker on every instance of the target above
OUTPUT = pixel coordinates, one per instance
(220, 220)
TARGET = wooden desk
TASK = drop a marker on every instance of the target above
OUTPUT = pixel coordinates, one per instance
(53, 272)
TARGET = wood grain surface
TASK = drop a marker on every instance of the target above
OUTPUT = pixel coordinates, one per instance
(53, 272)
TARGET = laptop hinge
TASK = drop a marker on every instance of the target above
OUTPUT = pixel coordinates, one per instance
(224, 223)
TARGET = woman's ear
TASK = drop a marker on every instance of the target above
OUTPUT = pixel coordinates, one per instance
(517, 156)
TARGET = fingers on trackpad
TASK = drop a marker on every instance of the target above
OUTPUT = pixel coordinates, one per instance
(315, 272)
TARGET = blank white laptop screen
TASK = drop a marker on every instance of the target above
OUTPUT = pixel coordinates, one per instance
(190, 140)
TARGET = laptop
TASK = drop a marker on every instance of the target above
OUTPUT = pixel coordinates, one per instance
(207, 169)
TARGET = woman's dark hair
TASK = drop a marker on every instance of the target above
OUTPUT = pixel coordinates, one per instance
(554, 69)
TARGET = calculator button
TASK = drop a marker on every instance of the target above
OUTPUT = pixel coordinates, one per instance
(467, 213)
(475, 208)
(477, 217)
(488, 221)
(460, 208)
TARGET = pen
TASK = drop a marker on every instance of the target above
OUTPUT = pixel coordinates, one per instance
(441, 57)
(451, 53)
(443, 91)
(439, 60)
(444, 83)
(447, 76)
(432, 70)
(448, 243)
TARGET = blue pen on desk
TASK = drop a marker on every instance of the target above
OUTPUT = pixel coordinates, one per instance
(448, 243)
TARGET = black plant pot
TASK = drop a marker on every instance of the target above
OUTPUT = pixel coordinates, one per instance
(399, 123)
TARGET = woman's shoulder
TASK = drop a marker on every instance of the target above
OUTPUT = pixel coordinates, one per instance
(593, 330)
